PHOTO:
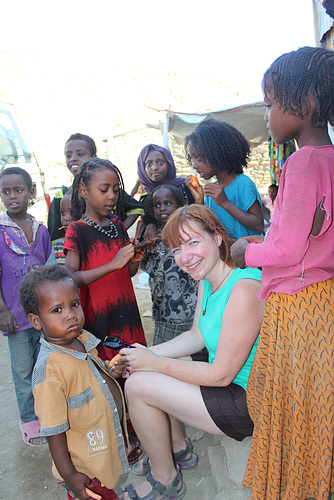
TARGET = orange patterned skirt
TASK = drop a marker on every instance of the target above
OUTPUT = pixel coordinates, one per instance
(290, 397)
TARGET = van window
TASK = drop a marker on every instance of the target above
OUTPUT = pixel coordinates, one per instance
(12, 146)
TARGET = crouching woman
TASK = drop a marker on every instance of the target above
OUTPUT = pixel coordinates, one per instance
(169, 383)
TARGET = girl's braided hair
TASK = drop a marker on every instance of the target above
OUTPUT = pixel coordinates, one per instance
(84, 176)
(293, 77)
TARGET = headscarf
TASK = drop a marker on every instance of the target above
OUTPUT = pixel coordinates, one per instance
(171, 174)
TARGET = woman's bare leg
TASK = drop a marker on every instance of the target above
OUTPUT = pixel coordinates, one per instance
(178, 441)
(151, 397)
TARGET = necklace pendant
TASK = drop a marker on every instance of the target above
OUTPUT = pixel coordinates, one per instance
(204, 312)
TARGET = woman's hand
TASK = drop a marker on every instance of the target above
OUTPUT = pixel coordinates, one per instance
(196, 191)
(216, 192)
(139, 359)
(237, 252)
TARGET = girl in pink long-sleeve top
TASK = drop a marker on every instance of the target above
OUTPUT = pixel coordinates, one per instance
(290, 393)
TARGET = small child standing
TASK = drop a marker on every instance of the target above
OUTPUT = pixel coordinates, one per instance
(65, 218)
(173, 292)
(218, 149)
(24, 245)
(82, 417)
(268, 201)
(101, 257)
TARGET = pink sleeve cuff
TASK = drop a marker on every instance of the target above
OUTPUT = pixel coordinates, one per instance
(250, 255)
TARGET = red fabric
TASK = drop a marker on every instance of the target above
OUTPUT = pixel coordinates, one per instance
(97, 487)
(109, 304)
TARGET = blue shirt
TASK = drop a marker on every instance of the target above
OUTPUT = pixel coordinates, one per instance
(242, 192)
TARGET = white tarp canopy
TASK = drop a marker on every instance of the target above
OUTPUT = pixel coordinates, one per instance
(248, 118)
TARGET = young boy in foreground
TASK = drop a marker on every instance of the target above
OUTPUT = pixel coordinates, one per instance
(79, 404)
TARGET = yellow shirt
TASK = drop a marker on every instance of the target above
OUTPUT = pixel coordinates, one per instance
(71, 396)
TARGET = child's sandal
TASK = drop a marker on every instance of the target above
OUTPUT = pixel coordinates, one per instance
(134, 454)
(170, 492)
(30, 433)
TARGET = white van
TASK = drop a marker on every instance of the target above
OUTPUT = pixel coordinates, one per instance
(15, 151)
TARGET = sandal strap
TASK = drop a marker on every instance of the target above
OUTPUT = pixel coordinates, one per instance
(155, 484)
(171, 490)
(158, 489)
(180, 456)
(146, 465)
(132, 494)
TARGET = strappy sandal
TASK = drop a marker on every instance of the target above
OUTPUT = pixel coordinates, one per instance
(169, 492)
(30, 433)
(179, 459)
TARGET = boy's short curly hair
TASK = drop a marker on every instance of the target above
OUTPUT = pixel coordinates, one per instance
(220, 145)
(18, 171)
(82, 137)
(32, 284)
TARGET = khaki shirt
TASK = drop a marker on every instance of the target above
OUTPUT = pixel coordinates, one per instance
(71, 396)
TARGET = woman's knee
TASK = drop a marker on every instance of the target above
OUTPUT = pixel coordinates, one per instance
(138, 384)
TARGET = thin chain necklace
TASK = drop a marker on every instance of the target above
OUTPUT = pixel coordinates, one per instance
(209, 295)
(111, 233)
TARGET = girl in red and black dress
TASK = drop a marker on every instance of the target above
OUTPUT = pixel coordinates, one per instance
(102, 260)
(100, 256)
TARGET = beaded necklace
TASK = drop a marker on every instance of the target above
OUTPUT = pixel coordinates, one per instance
(112, 232)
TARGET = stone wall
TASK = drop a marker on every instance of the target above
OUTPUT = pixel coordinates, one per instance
(123, 151)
